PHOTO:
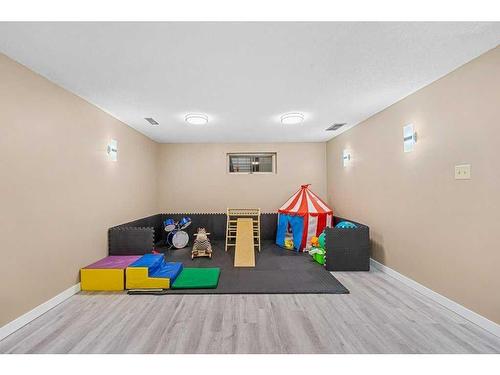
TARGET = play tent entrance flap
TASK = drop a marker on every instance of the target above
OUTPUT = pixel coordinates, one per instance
(304, 215)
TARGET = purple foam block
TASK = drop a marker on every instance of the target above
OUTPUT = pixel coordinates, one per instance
(114, 262)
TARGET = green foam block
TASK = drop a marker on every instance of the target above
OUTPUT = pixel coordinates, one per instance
(197, 278)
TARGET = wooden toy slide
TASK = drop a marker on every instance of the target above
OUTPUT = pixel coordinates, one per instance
(243, 233)
(244, 255)
(233, 214)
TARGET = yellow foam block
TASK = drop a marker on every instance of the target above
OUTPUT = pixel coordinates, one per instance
(138, 278)
(107, 273)
(102, 279)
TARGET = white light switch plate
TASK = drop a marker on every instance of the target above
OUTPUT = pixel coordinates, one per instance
(462, 172)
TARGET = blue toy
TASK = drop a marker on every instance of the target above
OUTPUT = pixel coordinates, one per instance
(151, 271)
(346, 225)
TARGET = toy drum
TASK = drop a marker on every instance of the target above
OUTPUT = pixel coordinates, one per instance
(185, 222)
(177, 239)
(169, 225)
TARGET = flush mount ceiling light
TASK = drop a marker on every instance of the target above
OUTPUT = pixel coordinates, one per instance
(292, 118)
(196, 119)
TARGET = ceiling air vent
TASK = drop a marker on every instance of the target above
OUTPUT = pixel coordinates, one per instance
(335, 126)
(152, 121)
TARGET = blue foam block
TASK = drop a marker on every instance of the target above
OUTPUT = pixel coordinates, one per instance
(148, 260)
(157, 267)
(168, 270)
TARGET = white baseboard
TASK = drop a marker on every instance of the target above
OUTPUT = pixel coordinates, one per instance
(24, 319)
(470, 315)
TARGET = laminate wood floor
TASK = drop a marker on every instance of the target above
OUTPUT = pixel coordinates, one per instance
(381, 315)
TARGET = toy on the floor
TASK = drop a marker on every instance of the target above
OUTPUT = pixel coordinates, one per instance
(178, 239)
(346, 225)
(201, 246)
(305, 215)
(189, 278)
(169, 225)
(322, 240)
(288, 241)
(197, 278)
(107, 274)
(317, 249)
(151, 271)
(318, 254)
(314, 241)
(243, 232)
(185, 222)
(176, 236)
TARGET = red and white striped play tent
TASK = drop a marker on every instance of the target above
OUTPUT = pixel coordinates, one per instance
(305, 215)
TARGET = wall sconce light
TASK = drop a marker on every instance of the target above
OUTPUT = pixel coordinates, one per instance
(346, 158)
(113, 150)
(409, 138)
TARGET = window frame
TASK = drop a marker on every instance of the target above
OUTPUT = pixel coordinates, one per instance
(274, 164)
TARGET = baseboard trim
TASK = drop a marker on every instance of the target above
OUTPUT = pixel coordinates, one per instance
(457, 308)
(24, 319)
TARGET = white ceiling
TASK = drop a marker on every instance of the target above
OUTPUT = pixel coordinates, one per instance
(244, 75)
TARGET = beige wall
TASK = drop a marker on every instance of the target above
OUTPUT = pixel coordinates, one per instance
(194, 178)
(443, 233)
(58, 191)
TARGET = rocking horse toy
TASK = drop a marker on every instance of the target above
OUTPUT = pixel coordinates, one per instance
(201, 246)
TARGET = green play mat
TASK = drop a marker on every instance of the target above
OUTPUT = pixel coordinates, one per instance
(197, 278)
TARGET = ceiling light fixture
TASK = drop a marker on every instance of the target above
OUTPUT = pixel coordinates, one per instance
(292, 118)
(196, 119)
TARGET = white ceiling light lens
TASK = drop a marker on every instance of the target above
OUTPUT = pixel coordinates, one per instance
(292, 118)
(196, 119)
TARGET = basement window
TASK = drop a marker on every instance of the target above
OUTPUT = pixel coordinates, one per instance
(252, 163)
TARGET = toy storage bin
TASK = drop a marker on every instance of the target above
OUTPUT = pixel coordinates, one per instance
(347, 249)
